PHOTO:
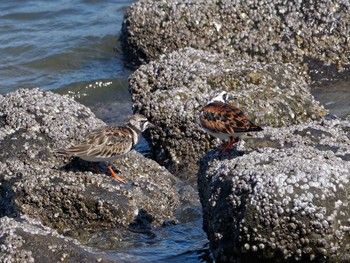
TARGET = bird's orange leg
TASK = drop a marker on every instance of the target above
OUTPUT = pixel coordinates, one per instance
(232, 142)
(228, 145)
(116, 177)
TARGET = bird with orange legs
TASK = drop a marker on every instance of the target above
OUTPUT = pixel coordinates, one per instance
(225, 121)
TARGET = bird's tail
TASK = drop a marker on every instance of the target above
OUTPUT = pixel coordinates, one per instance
(63, 152)
(255, 128)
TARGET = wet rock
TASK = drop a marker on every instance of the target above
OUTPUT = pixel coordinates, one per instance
(63, 193)
(27, 240)
(171, 91)
(281, 31)
(283, 198)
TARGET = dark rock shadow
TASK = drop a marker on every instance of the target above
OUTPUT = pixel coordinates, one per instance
(79, 165)
(142, 224)
(7, 197)
(215, 155)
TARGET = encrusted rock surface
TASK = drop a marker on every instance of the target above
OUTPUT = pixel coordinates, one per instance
(281, 31)
(63, 193)
(285, 201)
(69, 199)
(27, 240)
(170, 92)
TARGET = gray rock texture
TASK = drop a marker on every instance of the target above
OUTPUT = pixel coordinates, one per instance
(281, 198)
(272, 31)
(171, 90)
(63, 193)
(27, 240)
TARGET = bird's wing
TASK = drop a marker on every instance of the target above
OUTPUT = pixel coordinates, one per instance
(219, 117)
(104, 142)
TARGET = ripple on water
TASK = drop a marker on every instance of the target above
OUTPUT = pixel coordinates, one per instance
(335, 96)
(109, 99)
(184, 242)
(53, 44)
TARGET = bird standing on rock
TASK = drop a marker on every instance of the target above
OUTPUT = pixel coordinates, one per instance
(107, 144)
(225, 121)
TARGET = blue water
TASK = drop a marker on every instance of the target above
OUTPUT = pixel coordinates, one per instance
(181, 243)
(72, 47)
(52, 44)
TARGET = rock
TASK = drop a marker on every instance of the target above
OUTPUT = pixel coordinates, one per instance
(281, 31)
(58, 119)
(67, 199)
(171, 91)
(283, 199)
(63, 193)
(27, 240)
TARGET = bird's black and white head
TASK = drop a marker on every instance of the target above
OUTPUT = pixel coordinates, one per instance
(222, 96)
(139, 122)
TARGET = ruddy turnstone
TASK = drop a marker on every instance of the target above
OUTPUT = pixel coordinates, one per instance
(107, 144)
(225, 121)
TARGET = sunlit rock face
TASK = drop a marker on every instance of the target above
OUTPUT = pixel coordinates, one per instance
(272, 31)
(285, 201)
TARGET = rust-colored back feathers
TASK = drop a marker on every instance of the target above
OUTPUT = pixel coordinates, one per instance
(219, 117)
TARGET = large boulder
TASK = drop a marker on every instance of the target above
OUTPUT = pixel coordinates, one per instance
(171, 90)
(280, 31)
(63, 193)
(283, 198)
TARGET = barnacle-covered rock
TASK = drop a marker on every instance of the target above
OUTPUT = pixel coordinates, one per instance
(24, 239)
(285, 201)
(273, 31)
